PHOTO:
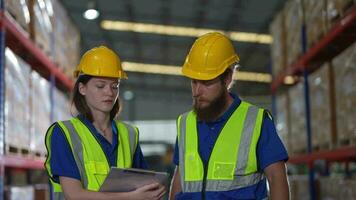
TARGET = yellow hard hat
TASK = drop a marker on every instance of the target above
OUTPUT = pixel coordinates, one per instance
(100, 61)
(210, 55)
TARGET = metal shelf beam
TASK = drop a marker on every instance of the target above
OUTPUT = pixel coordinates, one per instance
(22, 162)
(340, 36)
(341, 154)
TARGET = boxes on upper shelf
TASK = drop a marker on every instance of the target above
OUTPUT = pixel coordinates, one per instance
(293, 20)
(42, 25)
(336, 9)
(54, 32)
(278, 46)
(19, 10)
(315, 20)
(66, 54)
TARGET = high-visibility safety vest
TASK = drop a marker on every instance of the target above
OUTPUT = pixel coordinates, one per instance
(233, 162)
(89, 156)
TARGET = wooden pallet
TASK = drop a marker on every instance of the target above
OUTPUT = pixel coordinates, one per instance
(346, 142)
(23, 152)
(18, 151)
(324, 146)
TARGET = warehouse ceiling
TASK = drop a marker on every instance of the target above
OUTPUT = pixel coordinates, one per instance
(227, 15)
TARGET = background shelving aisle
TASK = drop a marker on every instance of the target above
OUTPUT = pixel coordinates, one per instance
(314, 116)
(312, 81)
(33, 92)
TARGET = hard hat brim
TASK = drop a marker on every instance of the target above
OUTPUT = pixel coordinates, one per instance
(120, 75)
(199, 75)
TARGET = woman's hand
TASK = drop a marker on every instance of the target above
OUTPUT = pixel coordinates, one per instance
(152, 191)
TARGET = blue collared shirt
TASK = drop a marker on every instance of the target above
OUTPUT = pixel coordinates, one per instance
(270, 149)
(62, 160)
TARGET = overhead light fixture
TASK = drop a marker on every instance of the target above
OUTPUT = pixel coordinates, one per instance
(253, 77)
(151, 68)
(176, 70)
(182, 31)
(91, 13)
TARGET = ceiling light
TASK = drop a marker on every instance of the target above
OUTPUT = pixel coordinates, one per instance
(176, 70)
(253, 76)
(91, 14)
(151, 68)
(182, 31)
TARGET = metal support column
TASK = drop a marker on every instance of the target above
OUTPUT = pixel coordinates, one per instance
(51, 97)
(2, 101)
(273, 95)
(308, 118)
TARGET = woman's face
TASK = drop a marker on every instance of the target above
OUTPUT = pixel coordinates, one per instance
(100, 93)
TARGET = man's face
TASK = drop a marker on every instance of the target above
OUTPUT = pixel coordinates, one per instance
(209, 98)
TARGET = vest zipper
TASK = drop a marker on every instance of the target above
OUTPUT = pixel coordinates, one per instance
(204, 180)
(207, 163)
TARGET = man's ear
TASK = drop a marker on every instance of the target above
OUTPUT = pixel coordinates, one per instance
(228, 79)
(82, 89)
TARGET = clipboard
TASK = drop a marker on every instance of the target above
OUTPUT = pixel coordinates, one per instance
(126, 180)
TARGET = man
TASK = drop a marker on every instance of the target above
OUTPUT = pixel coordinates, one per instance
(226, 148)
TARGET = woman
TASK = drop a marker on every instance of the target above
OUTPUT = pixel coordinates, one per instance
(82, 149)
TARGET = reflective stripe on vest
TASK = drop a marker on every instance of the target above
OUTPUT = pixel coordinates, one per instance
(90, 158)
(233, 163)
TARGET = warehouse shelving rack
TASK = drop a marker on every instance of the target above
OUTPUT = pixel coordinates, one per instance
(12, 37)
(340, 36)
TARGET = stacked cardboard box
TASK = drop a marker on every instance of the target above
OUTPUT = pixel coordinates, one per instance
(19, 10)
(283, 120)
(315, 20)
(344, 66)
(40, 114)
(345, 188)
(42, 26)
(61, 106)
(337, 8)
(278, 46)
(19, 193)
(17, 95)
(299, 186)
(293, 20)
(319, 83)
(50, 28)
(297, 118)
(66, 39)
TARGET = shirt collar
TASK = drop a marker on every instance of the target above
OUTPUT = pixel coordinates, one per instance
(91, 126)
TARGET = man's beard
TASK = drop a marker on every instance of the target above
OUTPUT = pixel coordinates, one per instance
(212, 111)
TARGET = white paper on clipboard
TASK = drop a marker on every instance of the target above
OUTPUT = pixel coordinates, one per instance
(125, 180)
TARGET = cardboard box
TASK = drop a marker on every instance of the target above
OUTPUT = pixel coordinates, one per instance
(319, 85)
(278, 46)
(17, 98)
(344, 66)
